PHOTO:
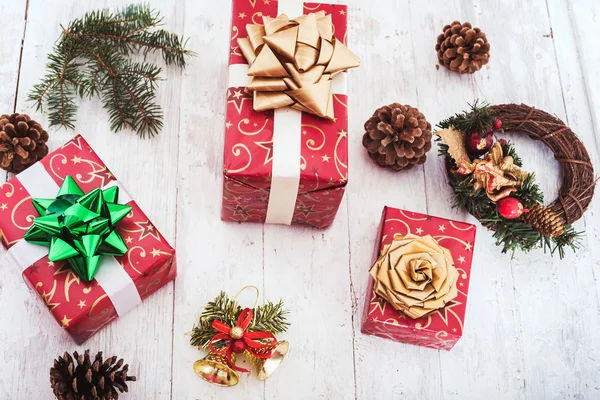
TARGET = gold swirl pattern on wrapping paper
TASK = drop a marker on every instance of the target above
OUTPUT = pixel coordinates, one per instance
(303, 163)
(142, 254)
(236, 33)
(102, 313)
(230, 185)
(310, 143)
(337, 98)
(29, 218)
(452, 224)
(439, 238)
(257, 18)
(337, 159)
(377, 303)
(69, 280)
(408, 232)
(48, 296)
(246, 121)
(51, 164)
(412, 218)
(236, 152)
(12, 191)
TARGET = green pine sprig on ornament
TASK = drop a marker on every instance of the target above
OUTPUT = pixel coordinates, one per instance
(511, 234)
(268, 317)
(91, 59)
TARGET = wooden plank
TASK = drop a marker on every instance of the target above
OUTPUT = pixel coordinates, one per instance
(381, 36)
(213, 255)
(148, 168)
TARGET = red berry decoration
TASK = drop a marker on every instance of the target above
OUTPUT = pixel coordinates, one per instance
(503, 141)
(238, 346)
(510, 208)
(497, 124)
(478, 146)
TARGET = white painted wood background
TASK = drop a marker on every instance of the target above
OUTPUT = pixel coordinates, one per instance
(532, 325)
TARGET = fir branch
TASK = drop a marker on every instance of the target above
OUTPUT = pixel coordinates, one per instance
(479, 119)
(91, 59)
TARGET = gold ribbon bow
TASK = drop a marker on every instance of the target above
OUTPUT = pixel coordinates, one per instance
(292, 62)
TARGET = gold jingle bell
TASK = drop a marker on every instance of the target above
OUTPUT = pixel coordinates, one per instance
(214, 369)
(266, 366)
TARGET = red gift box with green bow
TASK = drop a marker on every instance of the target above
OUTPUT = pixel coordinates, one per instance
(82, 243)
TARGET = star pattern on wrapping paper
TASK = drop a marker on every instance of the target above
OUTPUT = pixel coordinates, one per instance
(76, 160)
(65, 321)
(147, 229)
(81, 304)
(325, 158)
(343, 133)
(34, 269)
(342, 12)
(306, 211)
(461, 259)
(240, 210)
(228, 124)
(468, 247)
(237, 100)
(76, 142)
(128, 239)
(156, 252)
(50, 264)
(269, 147)
(3, 207)
(315, 170)
(419, 231)
(443, 312)
(267, 2)
(263, 199)
(441, 228)
(242, 15)
(104, 174)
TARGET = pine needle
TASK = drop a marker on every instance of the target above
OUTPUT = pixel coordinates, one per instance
(91, 59)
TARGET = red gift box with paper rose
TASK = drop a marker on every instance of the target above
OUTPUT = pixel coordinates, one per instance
(82, 308)
(419, 282)
(322, 164)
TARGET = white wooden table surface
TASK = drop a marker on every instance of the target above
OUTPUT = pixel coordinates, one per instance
(532, 325)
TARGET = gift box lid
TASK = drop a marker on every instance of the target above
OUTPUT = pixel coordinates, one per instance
(249, 134)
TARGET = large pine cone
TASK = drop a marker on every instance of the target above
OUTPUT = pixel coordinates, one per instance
(397, 137)
(544, 220)
(462, 48)
(97, 380)
(22, 142)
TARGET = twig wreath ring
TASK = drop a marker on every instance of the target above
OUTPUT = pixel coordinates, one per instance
(485, 174)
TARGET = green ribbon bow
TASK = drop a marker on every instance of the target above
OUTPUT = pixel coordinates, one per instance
(79, 227)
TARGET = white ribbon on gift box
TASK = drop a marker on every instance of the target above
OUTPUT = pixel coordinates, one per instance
(116, 283)
(287, 137)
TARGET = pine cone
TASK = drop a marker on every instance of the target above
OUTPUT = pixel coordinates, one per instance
(462, 48)
(97, 380)
(544, 220)
(397, 137)
(22, 142)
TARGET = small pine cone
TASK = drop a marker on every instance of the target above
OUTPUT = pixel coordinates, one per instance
(22, 142)
(81, 378)
(462, 48)
(397, 137)
(544, 220)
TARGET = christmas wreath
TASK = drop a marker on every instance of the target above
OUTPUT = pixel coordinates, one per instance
(485, 174)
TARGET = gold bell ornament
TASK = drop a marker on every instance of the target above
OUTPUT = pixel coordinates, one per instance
(226, 330)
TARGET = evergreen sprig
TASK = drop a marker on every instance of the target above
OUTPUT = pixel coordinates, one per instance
(479, 119)
(511, 234)
(268, 317)
(91, 58)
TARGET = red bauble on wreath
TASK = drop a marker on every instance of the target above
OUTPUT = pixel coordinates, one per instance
(510, 208)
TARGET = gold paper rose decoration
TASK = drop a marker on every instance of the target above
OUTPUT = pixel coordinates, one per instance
(292, 63)
(415, 275)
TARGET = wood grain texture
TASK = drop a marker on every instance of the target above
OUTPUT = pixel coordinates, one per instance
(531, 325)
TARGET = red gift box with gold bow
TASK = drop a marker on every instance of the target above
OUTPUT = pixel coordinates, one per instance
(286, 165)
(430, 278)
(122, 282)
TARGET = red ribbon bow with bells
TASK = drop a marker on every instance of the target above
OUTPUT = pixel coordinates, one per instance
(240, 340)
